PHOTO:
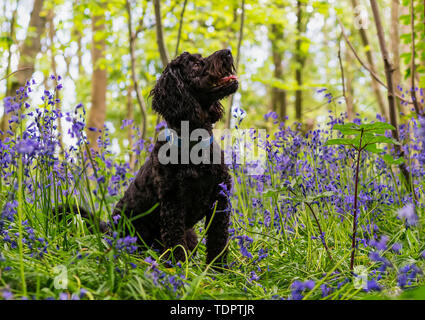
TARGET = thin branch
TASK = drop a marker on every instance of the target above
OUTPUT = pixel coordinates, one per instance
(16, 71)
(240, 38)
(180, 28)
(364, 65)
(344, 92)
(141, 25)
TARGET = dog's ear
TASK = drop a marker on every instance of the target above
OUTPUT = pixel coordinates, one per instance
(171, 98)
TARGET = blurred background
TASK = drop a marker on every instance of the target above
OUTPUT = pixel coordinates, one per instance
(291, 56)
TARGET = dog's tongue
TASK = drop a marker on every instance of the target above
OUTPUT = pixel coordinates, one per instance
(232, 77)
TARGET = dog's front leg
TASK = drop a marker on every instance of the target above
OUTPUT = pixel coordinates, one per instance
(218, 232)
(172, 227)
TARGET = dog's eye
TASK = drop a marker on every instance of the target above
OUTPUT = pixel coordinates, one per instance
(196, 66)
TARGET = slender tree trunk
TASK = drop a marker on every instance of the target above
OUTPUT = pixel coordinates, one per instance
(346, 84)
(238, 54)
(50, 18)
(160, 34)
(388, 67)
(160, 42)
(79, 37)
(30, 47)
(349, 61)
(391, 97)
(130, 131)
(369, 56)
(299, 60)
(416, 104)
(9, 46)
(132, 40)
(180, 28)
(395, 47)
(278, 96)
(97, 112)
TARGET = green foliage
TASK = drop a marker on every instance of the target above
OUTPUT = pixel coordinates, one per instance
(366, 136)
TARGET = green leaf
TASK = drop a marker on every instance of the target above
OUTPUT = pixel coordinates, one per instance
(379, 139)
(325, 194)
(390, 160)
(373, 148)
(271, 193)
(348, 128)
(377, 127)
(342, 141)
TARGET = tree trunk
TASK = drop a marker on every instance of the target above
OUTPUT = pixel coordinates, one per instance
(51, 16)
(160, 42)
(369, 56)
(179, 33)
(132, 40)
(351, 110)
(30, 47)
(346, 85)
(160, 34)
(299, 60)
(97, 112)
(130, 131)
(416, 104)
(395, 47)
(238, 54)
(278, 96)
(391, 97)
(9, 46)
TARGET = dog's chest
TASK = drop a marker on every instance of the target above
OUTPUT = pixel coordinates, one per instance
(198, 190)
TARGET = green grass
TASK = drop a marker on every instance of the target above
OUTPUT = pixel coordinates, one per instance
(104, 272)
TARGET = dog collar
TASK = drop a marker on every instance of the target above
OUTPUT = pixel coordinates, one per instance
(177, 141)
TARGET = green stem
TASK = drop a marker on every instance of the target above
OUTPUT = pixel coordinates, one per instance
(20, 230)
(353, 243)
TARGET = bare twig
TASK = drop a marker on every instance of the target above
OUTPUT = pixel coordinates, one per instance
(16, 71)
(344, 92)
(139, 97)
(180, 28)
(141, 25)
(364, 65)
(238, 54)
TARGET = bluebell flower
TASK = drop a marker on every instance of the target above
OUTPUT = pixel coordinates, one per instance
(373, 285)
(408, 214)
(397, 247)
(7, 295)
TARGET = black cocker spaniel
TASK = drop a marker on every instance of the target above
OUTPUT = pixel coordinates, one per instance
(189, 90)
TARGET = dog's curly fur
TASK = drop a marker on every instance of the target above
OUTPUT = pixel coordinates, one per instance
(189, 89)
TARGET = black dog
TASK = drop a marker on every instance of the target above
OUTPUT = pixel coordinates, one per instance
(189, 89)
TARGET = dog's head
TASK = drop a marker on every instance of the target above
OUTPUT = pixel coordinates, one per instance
(191, 87)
